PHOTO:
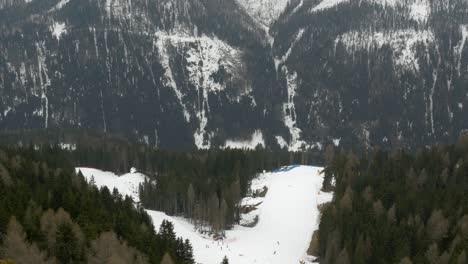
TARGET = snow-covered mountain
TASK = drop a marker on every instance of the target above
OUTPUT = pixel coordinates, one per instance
(287, 217)
(218, 73)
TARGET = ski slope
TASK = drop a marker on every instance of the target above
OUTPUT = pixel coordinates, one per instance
(288, 216)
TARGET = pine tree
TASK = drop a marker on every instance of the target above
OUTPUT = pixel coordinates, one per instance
(166, 231)
(225, 260)
(67, 249)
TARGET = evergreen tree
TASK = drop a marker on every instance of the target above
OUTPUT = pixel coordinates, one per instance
(225, 260)
(17, 248)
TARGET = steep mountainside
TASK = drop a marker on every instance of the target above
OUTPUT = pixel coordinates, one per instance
(205, 73)
(379, 72)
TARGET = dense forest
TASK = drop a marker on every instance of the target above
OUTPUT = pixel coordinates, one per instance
(396, 207)
(51, 215)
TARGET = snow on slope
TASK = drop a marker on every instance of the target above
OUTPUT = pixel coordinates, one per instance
(285, 57)
(59, 5)
(402, 42)
(459, 48)
(264, 11)
(290, 116)
(419, 10)
(255, 140)
(211, 51)
(288, 216)
(126, 184)
(327, 4)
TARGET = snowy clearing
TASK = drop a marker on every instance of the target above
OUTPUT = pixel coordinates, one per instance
(126, 184)
(288, 216)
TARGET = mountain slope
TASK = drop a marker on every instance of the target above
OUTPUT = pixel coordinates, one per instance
(203, 73)
(377, 73)
(153, 71)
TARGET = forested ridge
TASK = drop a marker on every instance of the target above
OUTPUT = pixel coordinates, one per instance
(396, 207)
(51, 215)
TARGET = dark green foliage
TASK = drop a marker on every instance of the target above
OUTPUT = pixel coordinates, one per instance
(397, 208)
(66, 246)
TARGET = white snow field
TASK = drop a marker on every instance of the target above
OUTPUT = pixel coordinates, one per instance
(126, 184)
(287, 217)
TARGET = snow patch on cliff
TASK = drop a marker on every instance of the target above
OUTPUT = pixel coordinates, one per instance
(264, 11)
(290, 116)
(204, 58)
(419, 10)
(59, 5)
(58, 29)
(285, 57)
(327, 4)
(460, 47)
(255, 140)
(403, 43)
